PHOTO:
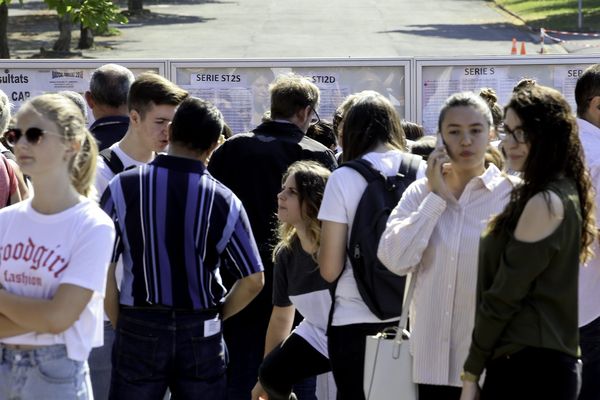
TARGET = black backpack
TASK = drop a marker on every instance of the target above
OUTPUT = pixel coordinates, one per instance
(113, 162)
(381, 289)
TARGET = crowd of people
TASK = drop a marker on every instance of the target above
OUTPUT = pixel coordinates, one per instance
(154, 254)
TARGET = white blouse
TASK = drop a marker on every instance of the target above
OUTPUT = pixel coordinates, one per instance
(439, 243)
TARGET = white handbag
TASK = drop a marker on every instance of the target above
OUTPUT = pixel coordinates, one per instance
(388, 362)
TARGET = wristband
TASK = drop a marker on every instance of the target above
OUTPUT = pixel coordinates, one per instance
(469, 377)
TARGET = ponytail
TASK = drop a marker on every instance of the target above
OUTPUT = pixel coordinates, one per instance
(83, 169)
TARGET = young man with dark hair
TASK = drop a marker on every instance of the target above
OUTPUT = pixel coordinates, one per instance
(587, 96)
(107, 98)
(252, 165)
(179, 229)
(151, 102)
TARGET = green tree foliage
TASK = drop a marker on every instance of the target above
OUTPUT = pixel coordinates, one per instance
(93, 14)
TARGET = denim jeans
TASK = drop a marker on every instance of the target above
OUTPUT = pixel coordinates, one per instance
(43, 373)
(100, 364)
(589, 341)
(156, 349)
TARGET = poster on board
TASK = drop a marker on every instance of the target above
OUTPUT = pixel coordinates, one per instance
(438, 82)
(24, 80)
(241, 91)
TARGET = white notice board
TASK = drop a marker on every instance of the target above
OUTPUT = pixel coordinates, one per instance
(23, 79)
(240, 88)
(436, 79)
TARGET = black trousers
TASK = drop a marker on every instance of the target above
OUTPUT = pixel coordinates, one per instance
(532, 373)
(289, 363)
(438, 392)
(589, 341)
(347, 356)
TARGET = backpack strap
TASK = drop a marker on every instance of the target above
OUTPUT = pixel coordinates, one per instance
(113, 161)
(409, 165)
(364, 168)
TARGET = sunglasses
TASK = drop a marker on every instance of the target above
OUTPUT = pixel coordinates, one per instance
(33, 135)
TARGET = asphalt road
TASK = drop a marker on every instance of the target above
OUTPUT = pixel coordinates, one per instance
(317, 28)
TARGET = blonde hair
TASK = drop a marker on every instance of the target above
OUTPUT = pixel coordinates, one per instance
(71, 126)
(4, 112)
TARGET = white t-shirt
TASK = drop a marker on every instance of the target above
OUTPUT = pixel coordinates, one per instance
(103, 172)
(343, 192)
(103, 177)
(39, 252)
(589, 275)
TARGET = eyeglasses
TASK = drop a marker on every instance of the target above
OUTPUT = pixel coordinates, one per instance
(315, 118)
(518, 135)
(33, 135)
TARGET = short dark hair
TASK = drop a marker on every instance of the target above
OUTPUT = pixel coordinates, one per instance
(323, 133)
(424, 146)
(290, 93)
(587, 87)
(110, 83)
(412, 131)
(197, 124)
(150, 89)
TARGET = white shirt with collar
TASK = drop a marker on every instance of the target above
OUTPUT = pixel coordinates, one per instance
(439, 243)
(589, 275)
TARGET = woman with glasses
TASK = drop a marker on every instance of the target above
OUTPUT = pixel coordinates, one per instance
(434, 233)
(54, 251)
(525, 335)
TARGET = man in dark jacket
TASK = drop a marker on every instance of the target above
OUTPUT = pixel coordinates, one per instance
(252, 165)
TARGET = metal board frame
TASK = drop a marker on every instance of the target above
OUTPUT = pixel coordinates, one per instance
(339, 68)
(546, 69)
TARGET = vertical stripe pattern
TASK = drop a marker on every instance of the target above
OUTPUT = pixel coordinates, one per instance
(176, 227)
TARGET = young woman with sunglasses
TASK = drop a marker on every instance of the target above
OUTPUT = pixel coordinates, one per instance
(525, 335)
(54, 253)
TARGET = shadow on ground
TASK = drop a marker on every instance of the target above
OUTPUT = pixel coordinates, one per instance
(483, 32)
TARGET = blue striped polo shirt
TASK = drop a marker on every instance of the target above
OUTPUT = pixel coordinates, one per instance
(176, 227)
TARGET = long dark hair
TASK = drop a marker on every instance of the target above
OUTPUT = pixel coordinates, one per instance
(555, 151)
(371, 120)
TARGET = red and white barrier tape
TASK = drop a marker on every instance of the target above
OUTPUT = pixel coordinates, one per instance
(544, 34)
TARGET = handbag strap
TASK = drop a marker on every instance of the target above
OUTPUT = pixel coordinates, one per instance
(406, 305)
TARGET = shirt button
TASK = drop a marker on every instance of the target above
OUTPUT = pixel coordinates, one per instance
(18, 357)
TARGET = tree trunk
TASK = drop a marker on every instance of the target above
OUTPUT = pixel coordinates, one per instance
(63, 43)
(4, 50)
(86, 38)
(135, 6)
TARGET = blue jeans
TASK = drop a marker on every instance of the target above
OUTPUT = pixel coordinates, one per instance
(589, 341)
(43, 373)
(100, 364)
(156, 349)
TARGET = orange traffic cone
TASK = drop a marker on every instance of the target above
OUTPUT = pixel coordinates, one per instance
(523, 51)
(513, 50)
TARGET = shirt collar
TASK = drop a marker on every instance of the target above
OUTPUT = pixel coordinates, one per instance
(587, 128)
(489, 178)
(110, 120)
(179, 163)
